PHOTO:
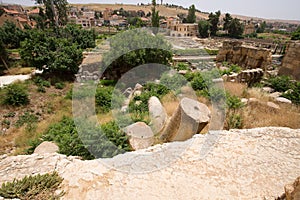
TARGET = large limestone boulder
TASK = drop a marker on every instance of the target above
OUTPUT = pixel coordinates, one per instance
(189, 118)
(244, 164)
(140, 135)
(46, 147)
(158, 115)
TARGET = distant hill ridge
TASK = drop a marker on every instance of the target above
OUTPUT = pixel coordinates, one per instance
(172, 12)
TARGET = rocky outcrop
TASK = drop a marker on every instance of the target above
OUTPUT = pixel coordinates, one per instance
(243, 164)
(235, 52)
(291, 61)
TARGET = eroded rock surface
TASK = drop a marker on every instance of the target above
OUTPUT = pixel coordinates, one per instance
(291, 61)
(248, 57)
(243, 164)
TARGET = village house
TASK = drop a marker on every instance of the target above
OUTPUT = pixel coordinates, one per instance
(184, 30)
(17, 15)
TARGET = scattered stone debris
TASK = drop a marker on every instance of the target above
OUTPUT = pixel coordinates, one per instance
(189, 118)
(140, 135)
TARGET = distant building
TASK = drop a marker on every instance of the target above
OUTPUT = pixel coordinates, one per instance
(172, 21)
(184, 30)
(249, 29)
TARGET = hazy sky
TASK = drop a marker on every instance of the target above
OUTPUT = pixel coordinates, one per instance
(274, 9)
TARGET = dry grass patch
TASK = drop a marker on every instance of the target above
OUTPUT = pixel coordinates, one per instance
(18, 70)
(258, 94)
(237, 89)
(260, 115)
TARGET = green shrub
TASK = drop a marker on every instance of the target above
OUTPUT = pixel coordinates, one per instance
(92, 141)
(232, 69)
(5, 123)
(16, 95)
(10, 114)
(216, 94)
(234, 118)
(233, 102)
(198, 82)
(280, 83)
(173, 81)
(40, 82)
(26, 118)
(33, 187)
(293, 94)
(234, 121)
(181, 66)
(108, 82)
(41, 89)
(64, 134)
(105, 97)
(59, 85)
(212, 52)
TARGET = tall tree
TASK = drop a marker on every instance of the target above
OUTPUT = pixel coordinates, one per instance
(214, 21)
(155, 17)
(191, 18)
(203, 27)
(227, 19)
(56, 11)
(235, 28)
(261, 28)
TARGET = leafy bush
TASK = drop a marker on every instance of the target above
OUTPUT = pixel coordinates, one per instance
(173, 81)
(59, 85)
(233, 102)
(93, 142)
(280, 83)
(26, 118)
(198, 82)
(41, 89)
(16, 95)
(29, 119)
(293, 94)
(104, 97)
(234, 121)
(39, 81)
(33, 187)
(5, 123)
(10, 114)
(64, 134)
(234, 118)
(181, 66)
(232, 69)
(296, 34)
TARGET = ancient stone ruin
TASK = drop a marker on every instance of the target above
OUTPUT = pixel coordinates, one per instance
(189, 118)
(249, 76)
(291, 61)
(234, 52)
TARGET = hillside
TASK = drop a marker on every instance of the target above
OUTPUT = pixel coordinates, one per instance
(172, 12)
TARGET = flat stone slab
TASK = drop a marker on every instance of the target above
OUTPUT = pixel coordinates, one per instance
(243, 164)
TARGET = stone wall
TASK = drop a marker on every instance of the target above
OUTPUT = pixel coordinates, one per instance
(291, 61)
(234, 52)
